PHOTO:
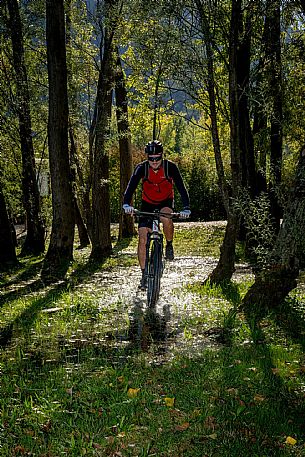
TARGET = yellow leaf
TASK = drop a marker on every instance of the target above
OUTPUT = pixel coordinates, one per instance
(290, 440)
(169, 401)
(132, 393)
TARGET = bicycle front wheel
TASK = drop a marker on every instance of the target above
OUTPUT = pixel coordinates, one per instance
(154, 273)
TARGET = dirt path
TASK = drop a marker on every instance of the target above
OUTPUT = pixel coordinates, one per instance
(181, 320)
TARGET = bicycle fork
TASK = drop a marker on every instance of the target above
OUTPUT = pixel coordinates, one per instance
(150, 238)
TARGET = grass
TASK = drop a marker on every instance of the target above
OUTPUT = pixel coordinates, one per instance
(73, 384)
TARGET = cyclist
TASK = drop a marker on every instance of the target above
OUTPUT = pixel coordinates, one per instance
(158, 178)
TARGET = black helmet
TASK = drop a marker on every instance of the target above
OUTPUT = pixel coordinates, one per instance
(154, 147)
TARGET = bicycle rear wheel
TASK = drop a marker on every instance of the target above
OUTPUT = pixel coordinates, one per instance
(154, 273)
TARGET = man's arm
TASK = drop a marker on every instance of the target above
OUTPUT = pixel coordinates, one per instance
(174, 173)
(133, 183)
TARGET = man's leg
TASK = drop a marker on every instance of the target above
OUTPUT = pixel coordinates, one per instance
(142, 246)
(142, 254)
(168, 229)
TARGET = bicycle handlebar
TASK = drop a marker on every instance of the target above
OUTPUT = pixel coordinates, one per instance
(156, 214)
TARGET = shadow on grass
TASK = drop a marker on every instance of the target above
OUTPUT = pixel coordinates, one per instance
(236, 404)
(122, 244)
(52, 292)
(147, 326)
(25, 271)
(260, 409)
(290, 317)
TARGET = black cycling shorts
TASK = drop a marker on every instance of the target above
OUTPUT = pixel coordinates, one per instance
(150, 208)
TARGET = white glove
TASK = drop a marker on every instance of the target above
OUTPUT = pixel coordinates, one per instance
(185, 213)
(128, 209)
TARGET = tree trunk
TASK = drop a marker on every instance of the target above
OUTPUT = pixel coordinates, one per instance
(226, 264)
(82, 230)
(101, 237)
(60, 251)
(35, 238)
(274, 71)
(272, 286)
(8, 257)
(246, 145)
(126, 225)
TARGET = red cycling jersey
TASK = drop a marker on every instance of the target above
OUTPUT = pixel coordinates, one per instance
(156, 187)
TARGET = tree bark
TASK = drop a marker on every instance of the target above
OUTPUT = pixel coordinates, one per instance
(246, 144)
(272, 286)
(126, 224)
(274, 72)
(35, 238)
(79, 221)
(60, 251)
(100, 236)
(8, 257)
(226, 263)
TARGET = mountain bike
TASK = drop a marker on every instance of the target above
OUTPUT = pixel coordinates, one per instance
(154, 263)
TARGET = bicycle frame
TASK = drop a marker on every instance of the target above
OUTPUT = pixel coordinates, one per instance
(154, 263)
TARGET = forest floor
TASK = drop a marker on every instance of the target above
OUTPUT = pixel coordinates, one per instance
(87, 369)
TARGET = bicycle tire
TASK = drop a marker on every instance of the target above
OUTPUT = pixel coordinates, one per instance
(154, 273)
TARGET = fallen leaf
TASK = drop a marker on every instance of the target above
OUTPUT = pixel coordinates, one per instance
(169, 401)
(182, 427)
(213, 436)
(259, 398)
(290, 440)
(96, 446)
(176, 412)
(132, 393)
(19, 449)
(121, 379)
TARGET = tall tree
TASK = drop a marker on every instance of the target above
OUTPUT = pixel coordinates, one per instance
(274, 77)
(79, 221)
(126, 225)
(100, 129)
(60, 251)
(35, 238)
(226, 264)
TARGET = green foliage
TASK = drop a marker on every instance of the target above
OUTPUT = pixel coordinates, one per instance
(259, 226)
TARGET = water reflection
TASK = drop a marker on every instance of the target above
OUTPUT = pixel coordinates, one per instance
(148, 325)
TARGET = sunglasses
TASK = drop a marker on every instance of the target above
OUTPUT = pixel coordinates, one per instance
(155, 159)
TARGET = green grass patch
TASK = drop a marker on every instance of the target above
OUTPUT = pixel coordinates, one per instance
(74, 383)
